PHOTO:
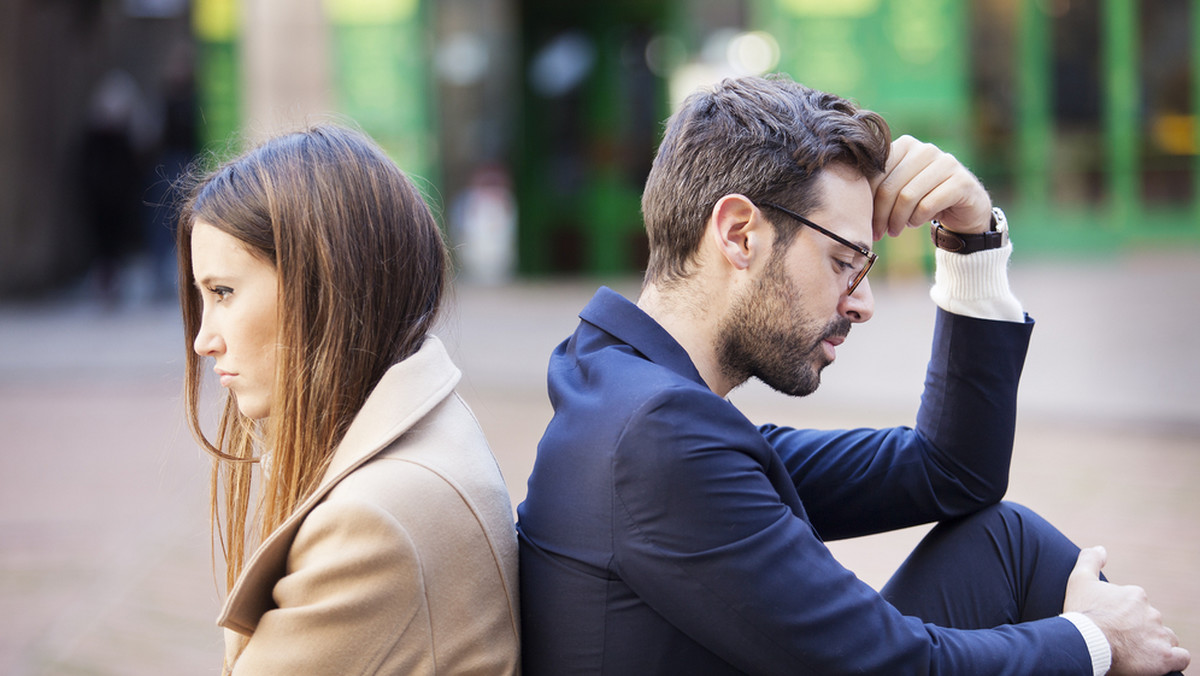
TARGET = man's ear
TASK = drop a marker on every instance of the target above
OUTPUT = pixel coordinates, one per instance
(738, 230)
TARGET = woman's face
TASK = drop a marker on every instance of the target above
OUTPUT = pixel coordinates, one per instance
(239, 324)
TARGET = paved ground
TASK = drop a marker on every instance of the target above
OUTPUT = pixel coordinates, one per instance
(104, 558)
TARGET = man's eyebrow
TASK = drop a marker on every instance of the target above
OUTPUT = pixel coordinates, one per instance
(857, 243)
(865, 246)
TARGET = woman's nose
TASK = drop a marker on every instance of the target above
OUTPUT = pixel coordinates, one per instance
(207, 342)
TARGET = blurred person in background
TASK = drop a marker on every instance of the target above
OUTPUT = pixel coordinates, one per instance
(110, 176)
(377, 535)
(664, 533)
(483, 226)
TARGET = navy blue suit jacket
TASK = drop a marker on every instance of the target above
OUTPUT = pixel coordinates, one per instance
(664, 533)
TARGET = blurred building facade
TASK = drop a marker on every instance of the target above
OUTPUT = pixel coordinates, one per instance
(530, 124)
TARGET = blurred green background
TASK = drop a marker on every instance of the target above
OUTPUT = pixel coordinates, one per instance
(531, 124)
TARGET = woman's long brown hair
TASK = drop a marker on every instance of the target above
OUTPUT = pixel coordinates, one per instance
(362, 267)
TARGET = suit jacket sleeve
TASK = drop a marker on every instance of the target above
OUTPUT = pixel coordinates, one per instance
(955, 462)
(703, 536)
(354, 591)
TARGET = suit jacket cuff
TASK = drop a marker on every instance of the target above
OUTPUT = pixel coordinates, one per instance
(1096, 642)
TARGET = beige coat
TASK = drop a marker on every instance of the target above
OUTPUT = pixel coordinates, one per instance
(404, 560)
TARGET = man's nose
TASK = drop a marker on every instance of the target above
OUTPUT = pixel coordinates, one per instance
(859, 306)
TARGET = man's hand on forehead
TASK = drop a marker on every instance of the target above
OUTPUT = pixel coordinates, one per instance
(922, 182)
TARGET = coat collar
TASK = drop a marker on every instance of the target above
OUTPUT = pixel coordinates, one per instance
(405, 394)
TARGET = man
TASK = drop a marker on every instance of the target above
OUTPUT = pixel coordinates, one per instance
(663, 533)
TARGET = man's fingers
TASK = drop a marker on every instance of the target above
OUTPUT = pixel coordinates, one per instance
(883, 186)
(916, 195)
(1091, 560)
(1180, 659)
(922, 181)
(1140, 642)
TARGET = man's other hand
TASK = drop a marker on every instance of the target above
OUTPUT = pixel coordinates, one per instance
(1134, 629)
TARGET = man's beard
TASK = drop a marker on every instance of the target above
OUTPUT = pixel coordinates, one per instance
(767, 335)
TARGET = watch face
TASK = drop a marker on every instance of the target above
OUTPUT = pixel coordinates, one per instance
(999, 221)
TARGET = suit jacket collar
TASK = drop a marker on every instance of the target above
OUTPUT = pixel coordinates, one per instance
(405, 394)
(612, 313)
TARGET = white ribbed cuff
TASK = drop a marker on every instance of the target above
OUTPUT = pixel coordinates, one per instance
(1097, 645)
(976, 285)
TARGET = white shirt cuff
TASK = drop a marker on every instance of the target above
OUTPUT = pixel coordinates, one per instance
(1097, 645)
(976, 285)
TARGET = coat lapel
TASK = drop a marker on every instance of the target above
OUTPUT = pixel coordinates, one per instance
(407, 392)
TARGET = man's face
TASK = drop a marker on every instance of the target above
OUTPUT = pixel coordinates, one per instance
(787, 327)
(771, 336)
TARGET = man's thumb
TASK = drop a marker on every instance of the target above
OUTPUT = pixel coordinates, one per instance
(1091, 560)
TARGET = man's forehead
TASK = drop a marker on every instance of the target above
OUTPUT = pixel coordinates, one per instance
(845, 201)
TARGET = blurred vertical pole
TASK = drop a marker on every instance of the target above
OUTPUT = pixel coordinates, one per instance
(1034, 122)
(285, 66)
(604, 252)
(612, 198)
(1119, 21)
(215, 24)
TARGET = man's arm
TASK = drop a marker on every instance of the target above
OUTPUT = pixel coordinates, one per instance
(922, 183)
(704, 536)
(957, 461)
(954, 463)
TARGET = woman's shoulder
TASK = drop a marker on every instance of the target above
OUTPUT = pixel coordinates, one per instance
(447, 443)
(441, 469)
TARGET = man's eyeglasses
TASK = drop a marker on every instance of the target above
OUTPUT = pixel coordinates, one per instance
(871, 256)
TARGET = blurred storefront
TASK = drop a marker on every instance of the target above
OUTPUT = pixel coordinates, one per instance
(530, 124)
(1079, 115)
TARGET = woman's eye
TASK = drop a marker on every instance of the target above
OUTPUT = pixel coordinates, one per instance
(221, 292)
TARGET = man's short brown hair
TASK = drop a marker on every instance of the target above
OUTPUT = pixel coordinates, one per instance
(765, 138)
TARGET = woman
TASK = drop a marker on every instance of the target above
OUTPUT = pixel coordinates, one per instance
(381, 532)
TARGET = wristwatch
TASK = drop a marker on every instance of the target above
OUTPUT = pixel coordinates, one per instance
(962, 243)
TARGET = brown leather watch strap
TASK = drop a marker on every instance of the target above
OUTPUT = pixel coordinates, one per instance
(963, 243)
